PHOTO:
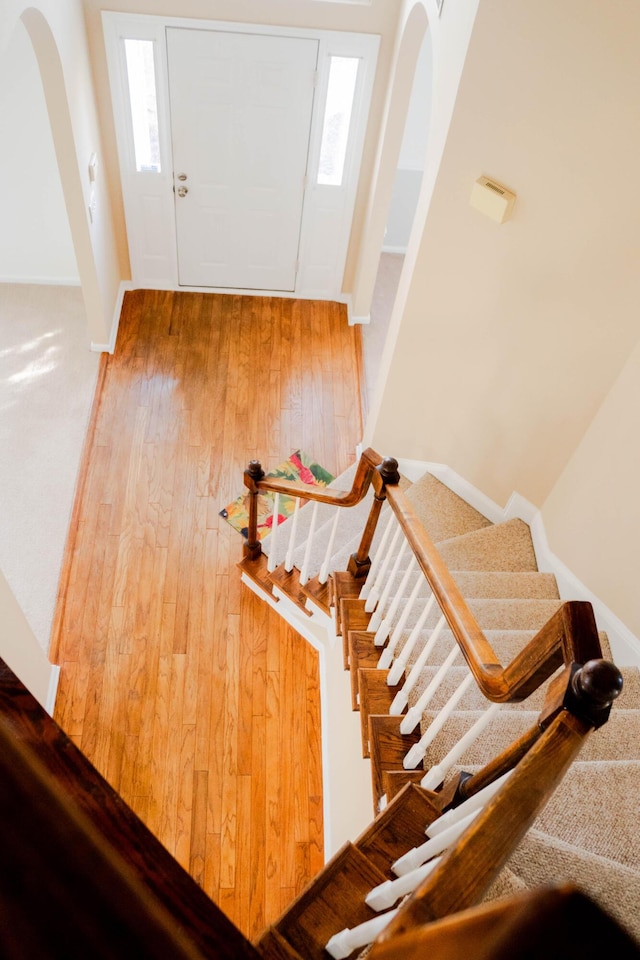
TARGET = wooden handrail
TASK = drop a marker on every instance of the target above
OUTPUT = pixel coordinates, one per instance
(553, 921)
(369, 460)
(572, 709)
(570, 636)
(87, 869)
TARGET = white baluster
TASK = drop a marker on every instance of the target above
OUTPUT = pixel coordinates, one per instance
(401, 698)
(377, 616)
(387, 654)
(369, 583)
(415, 857)
(323, 576)
(273, 560)
(476, 802)
(437, 773)
(417, 752)
(385, 894)
(381, 575)
(288, 563)
(384, 629)
(400, 662)
(413, 716)
(304, 572)
(342, 944)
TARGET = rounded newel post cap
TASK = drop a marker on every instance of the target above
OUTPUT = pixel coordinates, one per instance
(599, 681)
(255, 470)
(388, 470)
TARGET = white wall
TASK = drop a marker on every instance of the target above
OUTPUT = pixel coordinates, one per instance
(57, 32)
(592, 515)
(20, 650)
(35, 240)
(510, 337)
(413, 151)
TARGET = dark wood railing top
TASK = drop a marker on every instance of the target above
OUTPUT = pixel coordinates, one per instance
(80, 869)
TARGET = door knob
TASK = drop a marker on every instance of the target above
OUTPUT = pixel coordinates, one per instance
(183, 191)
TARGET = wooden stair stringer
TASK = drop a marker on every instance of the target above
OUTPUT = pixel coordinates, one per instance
(388, 748)
(332, 901)
(376, 697)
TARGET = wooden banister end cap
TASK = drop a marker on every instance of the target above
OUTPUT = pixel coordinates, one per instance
(255, 470)
(600, 681)
(388, 471)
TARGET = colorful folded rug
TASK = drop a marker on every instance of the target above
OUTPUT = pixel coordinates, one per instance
(299, 466)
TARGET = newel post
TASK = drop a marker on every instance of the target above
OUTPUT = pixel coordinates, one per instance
(385, 474)
(252, 476)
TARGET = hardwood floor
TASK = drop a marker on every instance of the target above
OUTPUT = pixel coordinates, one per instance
(193, 698)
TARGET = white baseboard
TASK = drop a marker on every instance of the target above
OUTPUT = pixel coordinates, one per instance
(115, 322)
(390, 249)
(43, 281)
(53, 689)
(625, 646)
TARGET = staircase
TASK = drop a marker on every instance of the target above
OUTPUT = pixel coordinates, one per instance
(588, 831)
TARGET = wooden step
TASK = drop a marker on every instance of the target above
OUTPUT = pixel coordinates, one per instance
(388, 748)
(376, 697)
(257, 571)
(394, 781)
(289, 584)
(345, 585)
(352, 617)
(319, 593)
(399, 827)
(362, 653)
(273, 946)
(332, 901)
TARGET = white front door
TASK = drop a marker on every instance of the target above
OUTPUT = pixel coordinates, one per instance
(241, 108)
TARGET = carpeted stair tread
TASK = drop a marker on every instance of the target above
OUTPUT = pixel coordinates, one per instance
(472, 699)
(487, 585)
(506, 884)
(506, 644)
(441, 511)
(497, 584)
(541, 859)
(495, 614)
(597, 807)
(503, 546)
(619, 739)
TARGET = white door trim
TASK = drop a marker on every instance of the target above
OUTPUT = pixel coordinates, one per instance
(148, 197)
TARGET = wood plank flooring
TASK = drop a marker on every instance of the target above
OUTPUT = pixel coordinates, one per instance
(193, 698)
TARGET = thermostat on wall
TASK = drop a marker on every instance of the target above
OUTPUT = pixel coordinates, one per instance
(492, 199)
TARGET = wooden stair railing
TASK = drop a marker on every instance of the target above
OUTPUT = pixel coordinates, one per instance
(81, 875)
(577, 702)
(335, 912)
(550, 923)
(570, 636)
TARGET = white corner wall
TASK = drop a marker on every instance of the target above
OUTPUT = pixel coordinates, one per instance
(35, 240)
(592, 515)
(510, 336)
(21, 652)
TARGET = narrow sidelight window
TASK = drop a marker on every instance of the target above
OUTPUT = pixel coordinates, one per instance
(143, 102)
(343, 72)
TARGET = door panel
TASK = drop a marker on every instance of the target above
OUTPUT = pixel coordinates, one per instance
(241, 107)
